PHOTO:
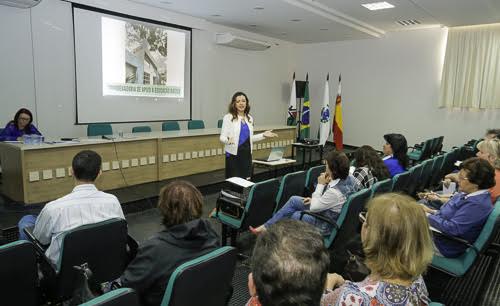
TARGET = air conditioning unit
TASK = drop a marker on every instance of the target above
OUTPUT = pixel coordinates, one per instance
(230, 40)
(20, 3)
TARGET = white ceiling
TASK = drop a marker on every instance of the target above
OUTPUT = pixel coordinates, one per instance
(332, 20)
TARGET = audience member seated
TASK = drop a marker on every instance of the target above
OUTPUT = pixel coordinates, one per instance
(369, 167)
(395, 150)
(84, 205)
(21, 125)
(289, 266)
(332, 190)
(489, 150)
(185, 237)
(492, 134)
(398, 247)
(466, 212)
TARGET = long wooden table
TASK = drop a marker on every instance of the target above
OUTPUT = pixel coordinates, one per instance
(40, 173)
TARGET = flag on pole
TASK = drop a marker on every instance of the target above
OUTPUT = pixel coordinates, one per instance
(324, 126)
(304, 127)
(337, 121)
(292, 106)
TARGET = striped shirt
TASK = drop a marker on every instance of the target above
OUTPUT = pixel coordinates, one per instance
(84, 205)
(364, 177)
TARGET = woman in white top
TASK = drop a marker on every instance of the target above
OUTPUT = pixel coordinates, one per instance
(237, 135)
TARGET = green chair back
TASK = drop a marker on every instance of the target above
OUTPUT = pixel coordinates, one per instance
(400, 181)
(439, 145)
(291, 184)
(312, 178)
(413, 180)
(219, 123)
(99, 129)
(196, 125)
(460, 265)
(348, 221)
(141, 129)
(423, 153)
(117, 297)
(425, 176)
(205, 280)
(19, 273)
(437, 163)
(102, 245)
(170, 126)
(449, 162)
(380, 187)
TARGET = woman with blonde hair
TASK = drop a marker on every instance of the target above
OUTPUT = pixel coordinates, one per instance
(398, 247)
(489, 150)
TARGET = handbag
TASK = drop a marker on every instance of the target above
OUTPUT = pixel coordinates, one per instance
(82, 287)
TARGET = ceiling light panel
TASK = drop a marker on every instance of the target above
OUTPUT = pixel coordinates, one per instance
(375, 6)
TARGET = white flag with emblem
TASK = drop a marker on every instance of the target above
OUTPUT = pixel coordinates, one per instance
(325, 126)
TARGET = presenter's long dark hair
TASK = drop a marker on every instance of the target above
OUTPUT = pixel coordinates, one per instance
(232, 106)
(18, 113)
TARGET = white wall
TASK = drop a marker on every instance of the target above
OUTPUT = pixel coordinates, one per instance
(17, 87)
(390, 85)
(43, 68)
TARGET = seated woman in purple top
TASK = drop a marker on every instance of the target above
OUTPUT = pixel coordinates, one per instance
(464, 215)
(21, 125)
(395, 149)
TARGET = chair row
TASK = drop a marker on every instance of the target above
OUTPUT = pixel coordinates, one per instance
(100, 129)
(426, 149)
(103, 246)
(264, 199)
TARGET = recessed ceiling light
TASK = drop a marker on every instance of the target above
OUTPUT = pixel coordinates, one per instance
(378, 6)
(215, 15)
(258, 8)
(295, 20)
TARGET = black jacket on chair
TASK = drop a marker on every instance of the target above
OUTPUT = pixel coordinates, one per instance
(158, 257)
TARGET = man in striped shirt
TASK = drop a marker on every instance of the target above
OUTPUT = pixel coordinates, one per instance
(84, 205)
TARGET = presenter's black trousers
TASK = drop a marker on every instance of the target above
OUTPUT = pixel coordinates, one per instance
(240, 165)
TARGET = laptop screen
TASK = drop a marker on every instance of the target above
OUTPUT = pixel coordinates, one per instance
(276, 154)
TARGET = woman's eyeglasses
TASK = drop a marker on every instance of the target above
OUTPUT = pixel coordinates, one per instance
(362, 217)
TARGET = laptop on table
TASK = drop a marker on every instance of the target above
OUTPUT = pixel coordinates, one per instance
(275, 155)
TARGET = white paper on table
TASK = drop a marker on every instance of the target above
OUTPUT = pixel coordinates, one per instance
(240, 181)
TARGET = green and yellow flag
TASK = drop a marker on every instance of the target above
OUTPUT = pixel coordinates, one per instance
(305, 127)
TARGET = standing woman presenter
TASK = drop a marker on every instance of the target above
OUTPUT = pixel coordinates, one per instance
(237, 135)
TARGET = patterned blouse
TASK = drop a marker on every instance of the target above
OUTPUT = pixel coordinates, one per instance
(376, 293)
(364, 177)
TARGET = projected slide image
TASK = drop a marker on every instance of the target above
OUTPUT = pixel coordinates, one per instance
(137, 59)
